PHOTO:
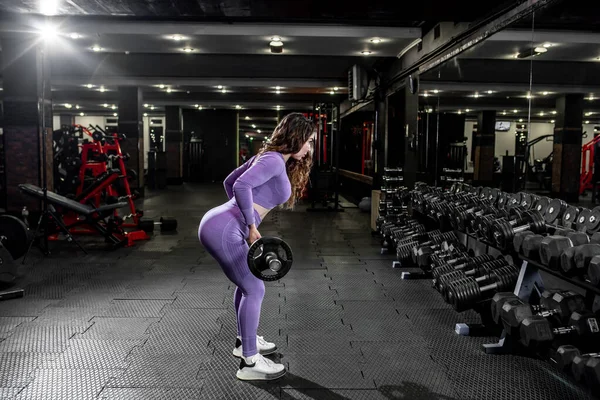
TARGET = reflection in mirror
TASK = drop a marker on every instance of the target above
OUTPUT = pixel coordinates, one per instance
(476, 108)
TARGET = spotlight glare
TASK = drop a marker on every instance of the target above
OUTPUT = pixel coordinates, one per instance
(376, 40)
(48, 7)
(365, 52)
(96, 48)
(75, 35)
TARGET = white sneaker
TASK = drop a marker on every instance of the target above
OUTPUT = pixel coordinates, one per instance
(264, 348)
(259, 368)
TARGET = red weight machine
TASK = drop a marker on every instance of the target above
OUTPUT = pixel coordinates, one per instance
(588, 154)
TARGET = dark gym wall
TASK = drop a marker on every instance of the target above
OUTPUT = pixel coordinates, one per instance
(217, 129)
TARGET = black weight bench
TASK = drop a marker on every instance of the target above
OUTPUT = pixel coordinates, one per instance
(93, 216)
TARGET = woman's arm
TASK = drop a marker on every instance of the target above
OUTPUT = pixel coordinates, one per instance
(266, 167)
(232, 177)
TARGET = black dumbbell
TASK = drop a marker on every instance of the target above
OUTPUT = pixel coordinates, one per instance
(561, 304)
(464, 293)
(553, 246)
(537, 330)
(469, 263)
(565, 355)
(504, 231)
(575, 260)
(481, 273)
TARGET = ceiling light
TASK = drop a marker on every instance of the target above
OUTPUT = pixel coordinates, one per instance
(467, 110)
(196, 105)
(476, 95)
(425, 94)
(224, 91)
(520, 119)
(161, 86)
(258, 130)
(220, 87)
(546, 45)
(278, 92)
(102, 89)
(75, 35)
(247, 136)
(277, 87)
(552, 121)
(276, 39)
(278, 107)
(587, 122)
(96, 48)
(89, 86)
(48, 7)
(188, 49)
(541, 114)
(145, 114)
(460, 112)
(115, 114)
(105, 105)
(146, 105)
(515, 111)
(169, 90)
(67, 105)
(365, 52)
(436, 91)
(553, 112)
(375, 40)
(200, 108)
(176, 38)
(77, 107)
(332, 92)
(276, 47)
(540, 49)
(81, 114)
(591, 97)
(152, 107)
(266, 137)
(253, 126)
(113, 107)
(587, 114)
(503, 112)
(238, 106)
(544, 93)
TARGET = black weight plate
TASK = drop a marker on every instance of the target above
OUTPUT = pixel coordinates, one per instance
(582, 219)
(257, 263)
(555, 210)
(513, 199)
(146, 224)
(502, 200)
(593, 222)
(485, 193)
(494, 195)
(15, 234)
(526, 200)
(570, 216)
(541, 205)
(168, 224)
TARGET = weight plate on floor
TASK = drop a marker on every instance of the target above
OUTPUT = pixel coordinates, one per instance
(15, 235)
(570, 216)
(593, 222)
(555, 210)
(582, 219)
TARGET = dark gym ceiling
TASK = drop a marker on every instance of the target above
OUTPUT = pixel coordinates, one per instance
(228, 62)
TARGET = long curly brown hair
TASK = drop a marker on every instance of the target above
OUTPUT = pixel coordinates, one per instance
(288, 138)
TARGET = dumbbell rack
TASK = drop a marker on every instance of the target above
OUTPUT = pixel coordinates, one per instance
(529, 287)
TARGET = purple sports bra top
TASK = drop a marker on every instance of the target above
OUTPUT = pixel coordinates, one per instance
(263, 181)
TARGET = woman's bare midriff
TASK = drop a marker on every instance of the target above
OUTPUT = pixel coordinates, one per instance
(261, 211)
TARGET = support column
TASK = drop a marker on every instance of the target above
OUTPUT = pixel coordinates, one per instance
(566, 161)
(130, 124)
(27, 112)
(410, 129)
(380, 139)
(485, 141)
(174, 144)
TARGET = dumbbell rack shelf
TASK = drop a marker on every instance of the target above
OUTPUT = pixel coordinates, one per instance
(529, 286)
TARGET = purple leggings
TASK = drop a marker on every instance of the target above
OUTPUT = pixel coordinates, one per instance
(223, 233)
